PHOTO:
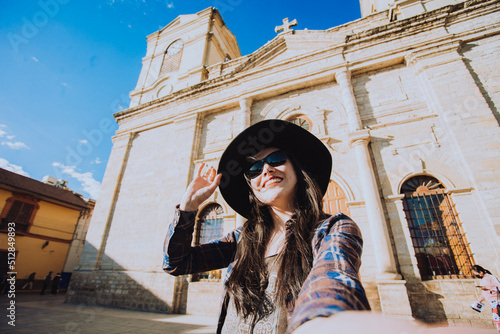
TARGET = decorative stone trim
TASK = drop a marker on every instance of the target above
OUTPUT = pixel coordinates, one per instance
(355, 203)
(359, 137)
(460, 190)
(394, 198)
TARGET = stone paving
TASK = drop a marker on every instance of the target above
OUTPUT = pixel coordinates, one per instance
(48, 314)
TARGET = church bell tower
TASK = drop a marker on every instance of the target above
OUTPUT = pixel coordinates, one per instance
(177, 55)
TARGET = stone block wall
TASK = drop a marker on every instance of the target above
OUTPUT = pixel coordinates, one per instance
(204, 298)
(139, 291)
(447, 301)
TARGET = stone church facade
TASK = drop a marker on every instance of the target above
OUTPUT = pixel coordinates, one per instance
(406, 99)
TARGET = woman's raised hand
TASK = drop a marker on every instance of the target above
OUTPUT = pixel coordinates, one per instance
(200, 189)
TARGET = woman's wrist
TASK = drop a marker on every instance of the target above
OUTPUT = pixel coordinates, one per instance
(187, 207)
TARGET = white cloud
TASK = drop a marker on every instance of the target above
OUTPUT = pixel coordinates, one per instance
(2, 132)
(87, 181)
(97, 161)
(13, 168)
(64, 84)
(170, 5)
(15, 146)
(83, 141)
(35, 59)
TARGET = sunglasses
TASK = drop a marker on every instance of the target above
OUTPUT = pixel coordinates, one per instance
(277, 158)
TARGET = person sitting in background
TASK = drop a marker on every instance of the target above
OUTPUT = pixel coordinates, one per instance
(491, 293)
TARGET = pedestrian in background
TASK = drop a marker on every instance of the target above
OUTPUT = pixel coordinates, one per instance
(29, 282)
(55, 284)
(46, 282)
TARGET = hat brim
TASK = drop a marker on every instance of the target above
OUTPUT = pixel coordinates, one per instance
(307, 150)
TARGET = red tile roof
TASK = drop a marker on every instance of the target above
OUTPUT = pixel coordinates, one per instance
(13, 181)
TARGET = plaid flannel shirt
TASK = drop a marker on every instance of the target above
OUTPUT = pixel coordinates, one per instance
(333, 285)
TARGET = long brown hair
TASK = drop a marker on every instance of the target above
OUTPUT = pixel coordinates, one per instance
(249, 278)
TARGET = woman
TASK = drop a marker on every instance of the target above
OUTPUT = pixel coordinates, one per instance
(490, 286)
(290, 262)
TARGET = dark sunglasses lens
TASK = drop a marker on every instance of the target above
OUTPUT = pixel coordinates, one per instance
(256, 167)
(277, 158)
(274, 159)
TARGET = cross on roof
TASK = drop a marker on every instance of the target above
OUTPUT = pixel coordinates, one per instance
(286, 25)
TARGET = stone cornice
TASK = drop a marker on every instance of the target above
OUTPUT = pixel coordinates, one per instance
(206, 13)
(425, 20)
(269, 71)
(324, 60)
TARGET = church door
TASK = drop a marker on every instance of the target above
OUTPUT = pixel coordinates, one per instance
(334, 200)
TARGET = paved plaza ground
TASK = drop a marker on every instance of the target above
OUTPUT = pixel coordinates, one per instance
(48, 314)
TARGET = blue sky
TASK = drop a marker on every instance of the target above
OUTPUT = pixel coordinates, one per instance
(67, 65)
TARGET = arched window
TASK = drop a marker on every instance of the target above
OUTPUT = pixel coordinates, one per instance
(440, 245)
(172, 57)
(334, 200)
(209, 226)
(302, 121)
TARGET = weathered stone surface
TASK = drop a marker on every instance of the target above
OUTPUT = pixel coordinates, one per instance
(427, 94)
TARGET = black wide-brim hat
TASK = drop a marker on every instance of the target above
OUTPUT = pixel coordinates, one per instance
(310, 153)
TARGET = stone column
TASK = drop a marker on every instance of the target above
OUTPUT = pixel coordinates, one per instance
(246, 113)
(359, 140)
(343, 77)
(245, 122)
(403, 243)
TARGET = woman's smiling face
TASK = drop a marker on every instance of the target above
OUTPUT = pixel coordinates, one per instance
(275, 186)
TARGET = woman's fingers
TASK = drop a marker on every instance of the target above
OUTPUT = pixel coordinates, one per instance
(216, 181)
(201, 188)
(200, 169)
(211, 177)
(208, 175)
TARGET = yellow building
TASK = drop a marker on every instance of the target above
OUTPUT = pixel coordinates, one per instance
(39, 224)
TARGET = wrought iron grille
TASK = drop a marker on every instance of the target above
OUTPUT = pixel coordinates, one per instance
(440, 244)
(210, 227)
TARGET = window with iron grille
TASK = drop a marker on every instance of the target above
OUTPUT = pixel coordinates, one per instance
(210, 226)
(20, 213)
(440, 245)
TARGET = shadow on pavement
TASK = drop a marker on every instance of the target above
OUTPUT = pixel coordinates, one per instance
(48, 314)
